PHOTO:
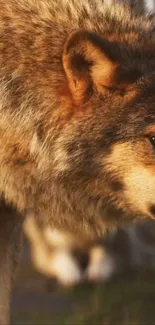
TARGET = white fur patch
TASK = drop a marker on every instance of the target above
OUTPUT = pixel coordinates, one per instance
(102, 265)
(60, 157)
(65, 268)
(34, 144)
(149, 5)
(57, 238)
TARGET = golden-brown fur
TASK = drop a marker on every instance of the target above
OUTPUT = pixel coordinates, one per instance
(76, 98)
(53, 146)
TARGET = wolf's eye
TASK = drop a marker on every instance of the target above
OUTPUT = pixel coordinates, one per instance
(152, 140)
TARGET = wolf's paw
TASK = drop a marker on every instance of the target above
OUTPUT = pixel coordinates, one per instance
(101, 266)
(66, 269)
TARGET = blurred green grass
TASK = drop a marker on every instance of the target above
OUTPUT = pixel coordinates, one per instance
(128, 299)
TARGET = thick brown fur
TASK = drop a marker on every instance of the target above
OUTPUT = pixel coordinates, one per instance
(76, 89)
(77, 116)
(137, 6)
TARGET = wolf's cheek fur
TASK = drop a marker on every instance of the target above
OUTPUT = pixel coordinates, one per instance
(129, 162)
(140, 189)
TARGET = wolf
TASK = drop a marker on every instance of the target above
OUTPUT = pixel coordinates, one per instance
(56, 248)
(77, 132)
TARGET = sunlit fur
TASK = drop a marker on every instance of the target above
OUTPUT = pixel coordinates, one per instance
(77, 97)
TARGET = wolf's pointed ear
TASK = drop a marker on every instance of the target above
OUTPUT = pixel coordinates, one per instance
(89, 59)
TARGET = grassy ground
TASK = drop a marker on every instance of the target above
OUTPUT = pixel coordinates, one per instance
(129, 299)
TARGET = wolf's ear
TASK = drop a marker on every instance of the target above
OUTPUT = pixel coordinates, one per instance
(89, 59)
